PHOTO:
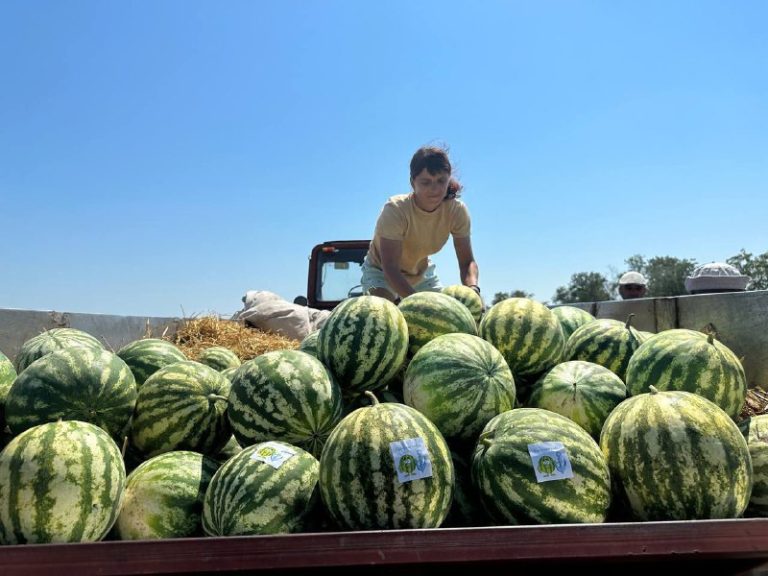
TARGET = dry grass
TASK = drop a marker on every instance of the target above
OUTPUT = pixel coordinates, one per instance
(196, 334)
(756, 403)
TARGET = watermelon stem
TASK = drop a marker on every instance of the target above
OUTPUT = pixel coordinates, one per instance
(215, 397)
(373, 398)
(629, 320)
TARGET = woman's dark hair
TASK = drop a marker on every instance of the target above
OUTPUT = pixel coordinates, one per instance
(435, 160)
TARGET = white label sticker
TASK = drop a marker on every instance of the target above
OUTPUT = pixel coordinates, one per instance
(411, 459)
(550, 461)
(273, 454)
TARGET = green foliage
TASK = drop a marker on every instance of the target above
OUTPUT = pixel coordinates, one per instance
(584, 287)
(499, 296)
(756, 267)
(665, 274)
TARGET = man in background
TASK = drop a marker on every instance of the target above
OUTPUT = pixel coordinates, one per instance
(632, 285)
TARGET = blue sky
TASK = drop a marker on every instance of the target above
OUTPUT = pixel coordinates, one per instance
(162, 158)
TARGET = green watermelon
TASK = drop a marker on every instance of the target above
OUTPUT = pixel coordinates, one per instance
(229, 373)
(582, 391)
(164, 497)
(691, 361)
(60, 482)
(231, 448)
(755, 430)
(285, 395)
(606, 342)
(75, 383)
(459, 381)
(7, 376)
(219, 358)
(268, 488)
(526, 333)
(386, 466)
(147, 356)
(431, 314)
(677, 456)
(182, 407)
(521, 466)
(471, 299)
(54, 339)
(571, 318)
(363, 342)
(309, 343)
(467, 509)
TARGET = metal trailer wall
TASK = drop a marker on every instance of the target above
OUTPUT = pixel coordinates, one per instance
(17, 326)
(740, 320)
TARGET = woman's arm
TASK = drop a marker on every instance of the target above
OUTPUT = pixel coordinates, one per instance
(391, 252)
(468, 271)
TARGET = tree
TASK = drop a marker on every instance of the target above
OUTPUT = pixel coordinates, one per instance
(665, 274)
(499, 296)
(584, 287)
(756, 267)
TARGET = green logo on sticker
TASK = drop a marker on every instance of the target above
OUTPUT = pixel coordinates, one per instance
(266, 451)
(407, 464)
(547, 465)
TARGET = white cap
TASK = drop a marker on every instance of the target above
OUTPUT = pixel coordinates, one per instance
(716, 276)
(632, 278)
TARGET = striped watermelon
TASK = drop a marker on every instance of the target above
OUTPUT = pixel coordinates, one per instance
(467, 509)
(60, 482)
(468, 297)
(164, 497)
(75, 383)
(571, 318)
(219, 358)
(692, 361)
(526, 333)
(54, 339)
(582, 391)
(431, 314)
(231, 448)
(309, 343)
(7, 376)
(147, 356)
(755, 430)
(182, 407)
(268, 488)
(229, 373)
(505, 472)
(364, 343)
(459, 381)
(677, 456)
(366, 465)
(285, 395)
(606, 342)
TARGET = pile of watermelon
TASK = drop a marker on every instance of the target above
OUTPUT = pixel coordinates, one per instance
(434, 412)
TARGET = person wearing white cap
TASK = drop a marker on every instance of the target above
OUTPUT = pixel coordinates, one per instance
(632, 285)
(716, 277)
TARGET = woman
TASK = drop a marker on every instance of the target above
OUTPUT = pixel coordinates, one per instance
(412, 227)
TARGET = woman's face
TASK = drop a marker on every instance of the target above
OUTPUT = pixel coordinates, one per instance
(430, 189)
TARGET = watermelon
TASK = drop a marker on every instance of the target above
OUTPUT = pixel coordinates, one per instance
(268, 488)
(182, 407)
(54, 339)
(386, 466)
(526, 333)
(309, 343)
(75, 383)
(285, 395)
(229, 373)
(571, 318)
(147, 356)
(364, 343)
(606, 342)
(533, 466)
(677, 456)
(691, 361)
(7, 376)
(459, 381)
(60, 482)
(219, 358)
(755, 430)
(582, 391)
(471, 299)
(467, 509)
(164, 497)
(431, 314)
